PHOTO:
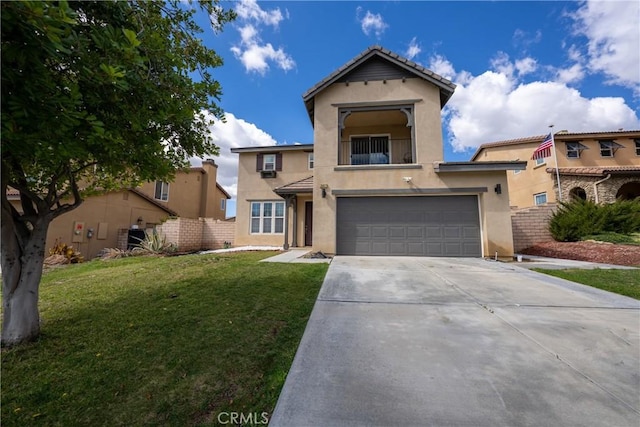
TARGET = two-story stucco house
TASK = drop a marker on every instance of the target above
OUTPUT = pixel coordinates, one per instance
(374, 181)
(598, 166)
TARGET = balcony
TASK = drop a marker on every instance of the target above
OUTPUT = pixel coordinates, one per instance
(375, 150)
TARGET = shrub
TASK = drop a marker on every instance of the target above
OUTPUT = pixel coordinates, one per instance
(62, 249)
(576, 219)
(155, 244)
(579, 218)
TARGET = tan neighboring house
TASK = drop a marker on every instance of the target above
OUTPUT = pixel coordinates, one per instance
(598, 166)
(101, 220)
(374, 181)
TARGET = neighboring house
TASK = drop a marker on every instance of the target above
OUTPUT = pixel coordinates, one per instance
(374, 182)
(599, 166)
(100, 220)
(194, 193)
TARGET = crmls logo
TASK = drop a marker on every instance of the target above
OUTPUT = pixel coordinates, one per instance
(240, 418)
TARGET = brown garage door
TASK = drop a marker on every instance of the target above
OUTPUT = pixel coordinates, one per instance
(409, 226)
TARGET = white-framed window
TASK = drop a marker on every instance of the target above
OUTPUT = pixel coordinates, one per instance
(310, 160)
(223, 204)
(269, 162)
(267, 217)
(606, 148)
(540, 198)
(162, 191)
(541, 161)
(574, 149)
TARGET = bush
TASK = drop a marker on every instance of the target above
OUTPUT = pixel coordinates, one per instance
(579, 218)
(154, 244)
(71, 256)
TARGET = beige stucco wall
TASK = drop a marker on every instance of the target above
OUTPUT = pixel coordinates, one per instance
(110, 212)
(252, 187)
(494, 209)
(193, 193)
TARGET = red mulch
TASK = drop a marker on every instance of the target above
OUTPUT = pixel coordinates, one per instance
(606, 253)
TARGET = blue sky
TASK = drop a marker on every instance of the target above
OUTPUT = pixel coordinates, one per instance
(519, 66)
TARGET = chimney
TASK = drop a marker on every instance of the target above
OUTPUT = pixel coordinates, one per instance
(208, 189)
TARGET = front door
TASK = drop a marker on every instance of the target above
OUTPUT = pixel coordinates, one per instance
(308, 223)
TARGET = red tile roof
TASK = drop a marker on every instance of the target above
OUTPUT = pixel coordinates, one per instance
(598, 171)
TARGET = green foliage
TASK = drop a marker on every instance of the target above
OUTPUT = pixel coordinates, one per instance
(610, 237)
(71, 255)
(154, 243)
(106, 93)
(623, 282)
(579, 218)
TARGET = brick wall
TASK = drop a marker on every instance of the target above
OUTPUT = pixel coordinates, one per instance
(531, 226)
(190, 234)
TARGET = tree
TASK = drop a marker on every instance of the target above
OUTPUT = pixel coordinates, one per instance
(95, 96)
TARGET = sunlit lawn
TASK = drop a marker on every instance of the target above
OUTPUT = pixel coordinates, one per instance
(160, 341)
(623, 282)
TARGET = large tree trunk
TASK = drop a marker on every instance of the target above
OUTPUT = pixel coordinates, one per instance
(22, 261)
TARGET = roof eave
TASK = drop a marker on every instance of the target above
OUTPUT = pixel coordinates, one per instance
(492, 166)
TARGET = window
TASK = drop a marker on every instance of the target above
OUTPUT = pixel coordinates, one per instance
(370, 150)
(574, 149)
(540, 198)
(540, 161)
(267, 217)
(269, 162)
(310, 160)
(162, 191)
(637, 141)
(516, 171)
(223, 204)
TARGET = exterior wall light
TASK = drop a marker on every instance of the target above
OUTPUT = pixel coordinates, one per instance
(324, 187)
(498, 189)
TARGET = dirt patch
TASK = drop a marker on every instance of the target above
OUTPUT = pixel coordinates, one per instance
(607, 253)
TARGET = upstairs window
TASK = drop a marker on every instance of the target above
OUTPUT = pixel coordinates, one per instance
(269, 162)
(162, 191)
(310, 160)
(541, 161)
(370, 150)
(574, 149)
(223, 204)
(608, 148)
(637, 142)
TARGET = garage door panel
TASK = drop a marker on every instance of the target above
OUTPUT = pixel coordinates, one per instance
(425, 225)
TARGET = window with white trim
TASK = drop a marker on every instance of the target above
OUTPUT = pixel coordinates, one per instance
(540, 161)
(540, 198)
(162, 191)
(223, 204)
(267, 217)
(269, 162)
(606, 148)
(310, 160)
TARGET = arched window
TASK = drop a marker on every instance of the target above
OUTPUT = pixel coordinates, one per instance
(629, 191)
(578, 193)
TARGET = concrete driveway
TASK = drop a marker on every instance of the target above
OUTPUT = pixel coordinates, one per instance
(462, 342)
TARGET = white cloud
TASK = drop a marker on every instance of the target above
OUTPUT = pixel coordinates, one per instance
(413, 49)
(613, 41)
(496, 105)
(252, 51)
(371, 23)
(233, 133)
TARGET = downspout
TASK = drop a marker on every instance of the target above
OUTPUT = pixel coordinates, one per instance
(595, 185)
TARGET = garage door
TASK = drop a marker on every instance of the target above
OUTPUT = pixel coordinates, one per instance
(414, 226)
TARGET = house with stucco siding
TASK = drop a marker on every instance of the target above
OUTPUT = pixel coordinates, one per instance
(598, 166)
(374, 181)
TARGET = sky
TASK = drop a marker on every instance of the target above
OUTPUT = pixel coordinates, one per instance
(519, 66)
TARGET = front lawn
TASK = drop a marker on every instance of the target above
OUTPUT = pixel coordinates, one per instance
(623, 282)
(160, 341)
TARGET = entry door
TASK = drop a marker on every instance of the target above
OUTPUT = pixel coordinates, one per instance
(308, 223)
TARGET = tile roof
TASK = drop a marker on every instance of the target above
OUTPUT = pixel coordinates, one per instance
(302, 186)
(597, 171)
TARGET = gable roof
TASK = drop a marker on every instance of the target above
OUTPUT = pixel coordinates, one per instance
(387, 62)
(219, 187)
(153, 201)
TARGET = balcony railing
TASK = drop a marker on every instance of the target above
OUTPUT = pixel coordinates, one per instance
(375, 151)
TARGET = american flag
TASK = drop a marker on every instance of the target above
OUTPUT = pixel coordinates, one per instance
(544, 149)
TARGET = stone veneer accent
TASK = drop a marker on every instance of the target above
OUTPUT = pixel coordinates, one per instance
(607, 190)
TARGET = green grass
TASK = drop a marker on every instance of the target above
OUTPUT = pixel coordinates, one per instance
(625, 239)
(160, 341)
(623, 282)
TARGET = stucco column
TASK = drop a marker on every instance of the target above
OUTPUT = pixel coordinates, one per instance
(294, 233)
(287, 202)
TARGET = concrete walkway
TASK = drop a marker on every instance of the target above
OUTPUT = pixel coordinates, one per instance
(296, 255)
(462, 342)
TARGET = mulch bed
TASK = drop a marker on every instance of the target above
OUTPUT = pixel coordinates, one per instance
(607, 253)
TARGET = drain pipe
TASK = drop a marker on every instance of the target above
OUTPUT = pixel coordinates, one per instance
(595, 185)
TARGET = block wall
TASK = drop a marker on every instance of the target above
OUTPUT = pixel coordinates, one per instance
(531, 226)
